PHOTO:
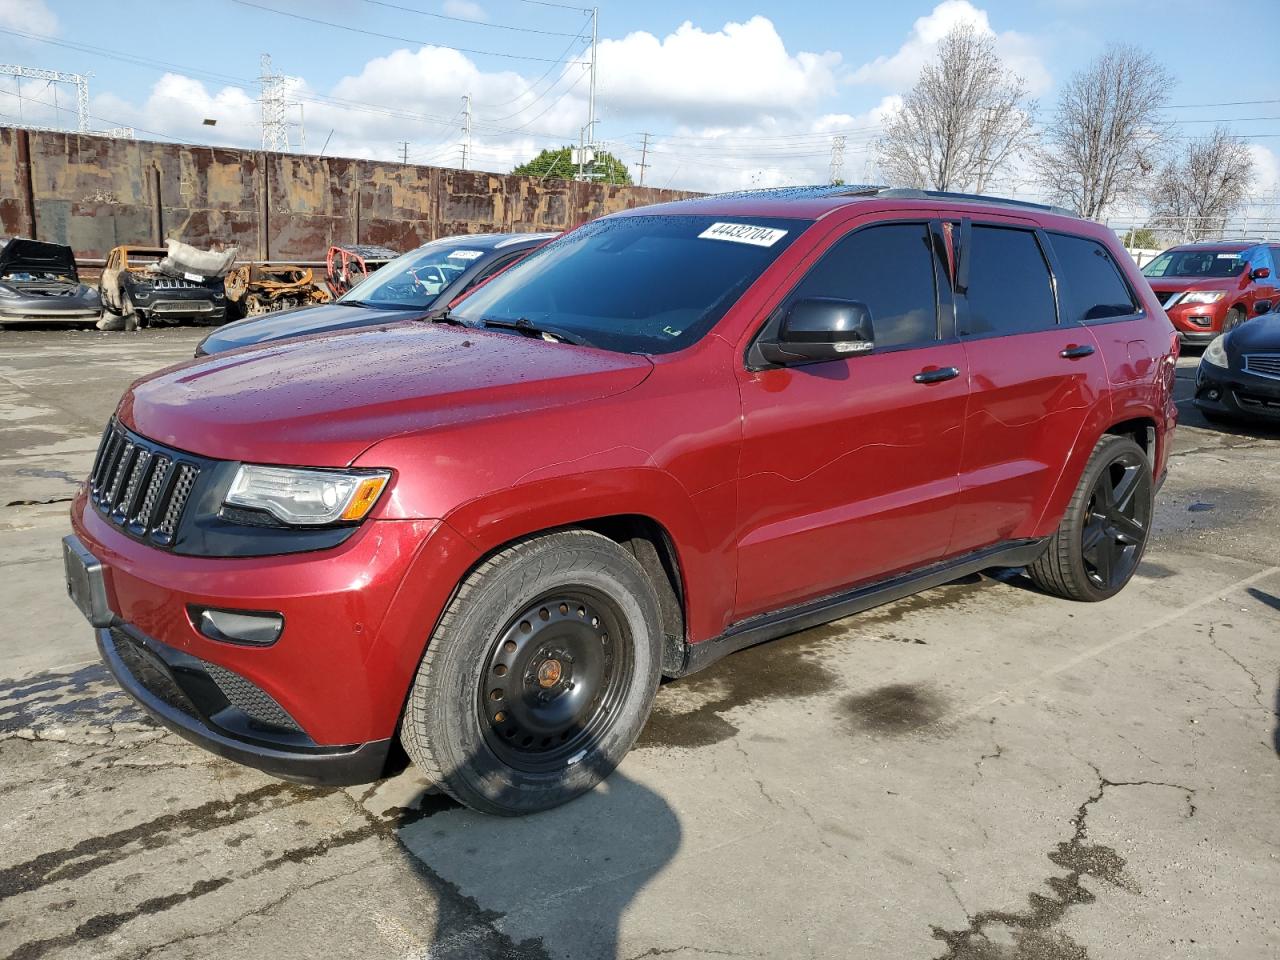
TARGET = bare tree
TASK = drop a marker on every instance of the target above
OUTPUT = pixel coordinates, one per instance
(1199, 190)
(1106, 135)
(966, 118)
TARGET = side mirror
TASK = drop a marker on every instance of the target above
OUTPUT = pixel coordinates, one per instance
(821, 328)
(1261, 273)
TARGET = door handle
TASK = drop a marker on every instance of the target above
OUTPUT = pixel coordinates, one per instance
(936, 376)
(1077, 353)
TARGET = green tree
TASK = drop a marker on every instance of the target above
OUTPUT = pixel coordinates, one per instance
(1142, 238)
(559, 163)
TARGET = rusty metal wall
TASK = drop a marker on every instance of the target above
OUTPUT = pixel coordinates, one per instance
(93, 193)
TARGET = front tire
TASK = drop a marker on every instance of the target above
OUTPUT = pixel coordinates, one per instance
(1105, 529)
(539, 676)
(1235, 316)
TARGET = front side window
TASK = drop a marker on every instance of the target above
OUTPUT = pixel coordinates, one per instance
(1090, 286)
(414, 280)
(1009, 286)
(635, 284)
(1196, 263)
(890, 268)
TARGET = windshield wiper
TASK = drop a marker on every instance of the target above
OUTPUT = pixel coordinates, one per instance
(443, 315)
(354, 303)
(526, 326)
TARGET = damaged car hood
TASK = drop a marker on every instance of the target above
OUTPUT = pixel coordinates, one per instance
(20, 255)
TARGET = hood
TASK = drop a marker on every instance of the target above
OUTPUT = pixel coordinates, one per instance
(298, 322)
(1179, 284)
(1261, 334)
(20, 254)
(323, 400)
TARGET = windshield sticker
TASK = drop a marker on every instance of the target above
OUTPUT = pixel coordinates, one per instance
(1228, 256)
(743, 233)
(466, 255)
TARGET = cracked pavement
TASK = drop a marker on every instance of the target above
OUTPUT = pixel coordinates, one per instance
(978, 772)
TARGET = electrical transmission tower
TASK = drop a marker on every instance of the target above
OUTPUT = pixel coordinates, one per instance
(272, 105)
(466, 129)
(837, 159)
(52, 78)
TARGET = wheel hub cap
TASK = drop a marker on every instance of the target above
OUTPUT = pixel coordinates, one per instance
(549, 673)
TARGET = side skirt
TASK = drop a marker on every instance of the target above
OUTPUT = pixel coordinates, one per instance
(770, 626)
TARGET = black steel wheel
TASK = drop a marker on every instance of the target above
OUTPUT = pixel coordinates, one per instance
(1104, 531)
(554, 679)
(539, 676)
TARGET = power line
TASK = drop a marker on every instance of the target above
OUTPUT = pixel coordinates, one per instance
(477, 23)
(548, 3)
(1235, 103)
(389, 36)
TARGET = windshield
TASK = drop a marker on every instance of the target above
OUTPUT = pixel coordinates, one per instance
(414, 280)
(1196, 263)
(636, 284)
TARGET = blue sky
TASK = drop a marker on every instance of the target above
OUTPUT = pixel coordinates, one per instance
(733, 93)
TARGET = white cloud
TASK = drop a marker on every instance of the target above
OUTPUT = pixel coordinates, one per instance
(29, 16)
(465, 9)
(741, 72)
(899, 70)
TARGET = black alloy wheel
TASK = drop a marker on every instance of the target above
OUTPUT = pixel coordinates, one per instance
(1117, 522)
(1104, 530)
(553, 679)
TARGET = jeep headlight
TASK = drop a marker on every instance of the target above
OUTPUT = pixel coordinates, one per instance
(1202, 296)
(1215, 353)
(307, 497)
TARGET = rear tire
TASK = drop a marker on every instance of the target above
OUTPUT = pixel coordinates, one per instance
(539, 676)
(1105, 529)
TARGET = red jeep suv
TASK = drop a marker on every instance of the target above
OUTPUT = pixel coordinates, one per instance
(1212, 287)
(669, 434)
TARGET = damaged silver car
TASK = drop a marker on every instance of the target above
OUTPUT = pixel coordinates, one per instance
(39, 284)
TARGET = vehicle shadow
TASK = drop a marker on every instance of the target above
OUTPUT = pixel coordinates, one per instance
(556, 883)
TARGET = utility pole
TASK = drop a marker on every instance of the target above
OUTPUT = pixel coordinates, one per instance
(644, 155)
(591, 97)
(466, 129)
(837, 159)
(404, 152)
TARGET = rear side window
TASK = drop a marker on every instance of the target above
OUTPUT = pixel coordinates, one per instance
(1009, 289)
(890, 269)
(1090, 286)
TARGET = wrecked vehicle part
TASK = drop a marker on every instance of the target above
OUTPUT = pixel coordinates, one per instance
(39, 283)
(347, 265)
(183, 260)
(254, 289)
(133, 287)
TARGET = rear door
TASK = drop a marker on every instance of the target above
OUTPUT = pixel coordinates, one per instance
(848, 467)
(1034, 382)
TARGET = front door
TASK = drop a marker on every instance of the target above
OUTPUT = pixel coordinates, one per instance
(849, 467)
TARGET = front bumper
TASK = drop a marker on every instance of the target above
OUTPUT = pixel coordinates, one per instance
(195, 700)
(1234, 393)
(356, 620)
(34, 313)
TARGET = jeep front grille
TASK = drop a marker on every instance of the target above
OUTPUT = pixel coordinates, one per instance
(140, 486)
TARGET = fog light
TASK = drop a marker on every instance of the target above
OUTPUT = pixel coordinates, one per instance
(1200, 321)
(1213, 394)
(237, 626)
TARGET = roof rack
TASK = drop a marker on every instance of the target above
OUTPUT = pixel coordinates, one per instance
(911, 193)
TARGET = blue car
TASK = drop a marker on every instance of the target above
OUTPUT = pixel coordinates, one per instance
(412, 286)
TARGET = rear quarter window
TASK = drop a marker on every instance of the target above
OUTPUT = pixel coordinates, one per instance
(1091, 288)
(1009, 287)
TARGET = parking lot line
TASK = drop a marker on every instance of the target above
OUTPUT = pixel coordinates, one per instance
(1126, 637)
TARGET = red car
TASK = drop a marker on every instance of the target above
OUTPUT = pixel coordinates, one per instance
(667, 435)
(1212, 287)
